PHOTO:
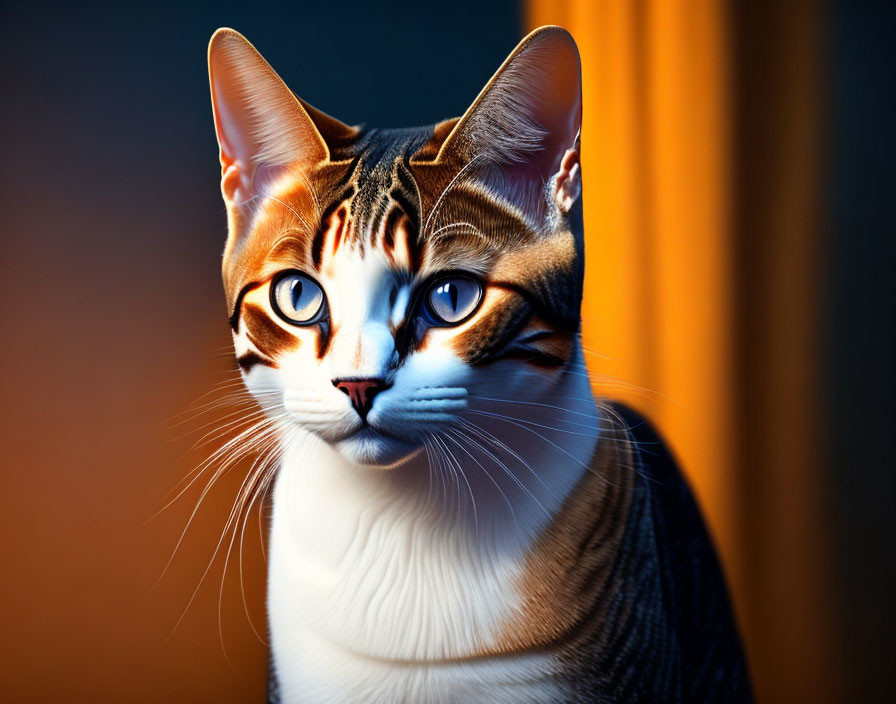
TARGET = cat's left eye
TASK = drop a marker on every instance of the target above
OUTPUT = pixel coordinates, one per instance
(453, 299)
(297, 298)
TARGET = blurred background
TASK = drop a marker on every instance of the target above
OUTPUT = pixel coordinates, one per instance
(739, 199)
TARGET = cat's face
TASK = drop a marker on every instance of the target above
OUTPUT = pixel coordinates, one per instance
(380, 281)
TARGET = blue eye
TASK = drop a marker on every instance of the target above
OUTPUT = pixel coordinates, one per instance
(297, 298)
(452, 300)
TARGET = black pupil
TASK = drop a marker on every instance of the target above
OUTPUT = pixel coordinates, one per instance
(452, 293)
(296, 293)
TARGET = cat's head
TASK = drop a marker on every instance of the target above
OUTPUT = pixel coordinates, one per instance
(378, 280)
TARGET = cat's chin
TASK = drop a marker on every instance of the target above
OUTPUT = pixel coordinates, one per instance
(372, 449)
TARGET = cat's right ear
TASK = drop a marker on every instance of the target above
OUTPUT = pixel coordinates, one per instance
(262, 128)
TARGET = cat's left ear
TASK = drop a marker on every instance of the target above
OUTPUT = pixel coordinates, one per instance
(525, 123)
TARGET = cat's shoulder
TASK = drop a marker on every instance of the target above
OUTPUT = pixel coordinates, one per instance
(640, 445)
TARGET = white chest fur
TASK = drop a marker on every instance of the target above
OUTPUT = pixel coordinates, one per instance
(384, 586)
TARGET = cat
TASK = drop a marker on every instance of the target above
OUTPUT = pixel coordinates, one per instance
(455, 517)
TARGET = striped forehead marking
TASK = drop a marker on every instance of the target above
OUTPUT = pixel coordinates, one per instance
(381, 214)
(337, 227)
(334, 222)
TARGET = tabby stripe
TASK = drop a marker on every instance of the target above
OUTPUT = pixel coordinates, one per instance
(317, 244)
(408, 185)
(543, 347)
(407, 194)
(407, 205)
(250, 359)
(539, 306)
(389, 231)
(264, 333)
(234, 319)
(486, 341)
(530, 355)
(415, 245)
(340, 215)
(325, 334)
(383, 206)
(350, 174)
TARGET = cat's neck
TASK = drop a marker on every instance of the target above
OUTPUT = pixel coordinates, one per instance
(363, 559)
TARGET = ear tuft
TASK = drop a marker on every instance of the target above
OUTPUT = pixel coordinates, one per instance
(530, 111)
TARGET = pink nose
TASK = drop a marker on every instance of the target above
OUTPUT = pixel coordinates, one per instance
(361, 392)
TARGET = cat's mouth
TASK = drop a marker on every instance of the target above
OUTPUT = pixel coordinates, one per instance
(375, 447)
(368, 432)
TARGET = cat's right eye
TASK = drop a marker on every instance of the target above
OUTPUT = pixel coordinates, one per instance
(298, 298)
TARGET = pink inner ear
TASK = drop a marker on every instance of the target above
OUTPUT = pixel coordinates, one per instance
(262, 127)
(231, 180)
(568, 181)
(230, 128)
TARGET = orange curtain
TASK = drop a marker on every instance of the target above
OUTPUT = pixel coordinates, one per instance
(698, 296)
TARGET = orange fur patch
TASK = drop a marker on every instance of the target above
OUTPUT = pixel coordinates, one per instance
(268, 336)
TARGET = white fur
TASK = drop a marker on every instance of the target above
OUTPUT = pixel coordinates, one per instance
(378, 579)
(395, 556)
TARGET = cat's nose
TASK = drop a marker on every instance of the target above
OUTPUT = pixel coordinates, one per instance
(361, 391)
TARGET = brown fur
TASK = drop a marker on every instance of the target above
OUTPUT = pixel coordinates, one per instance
(567, 575)
(265, 334)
